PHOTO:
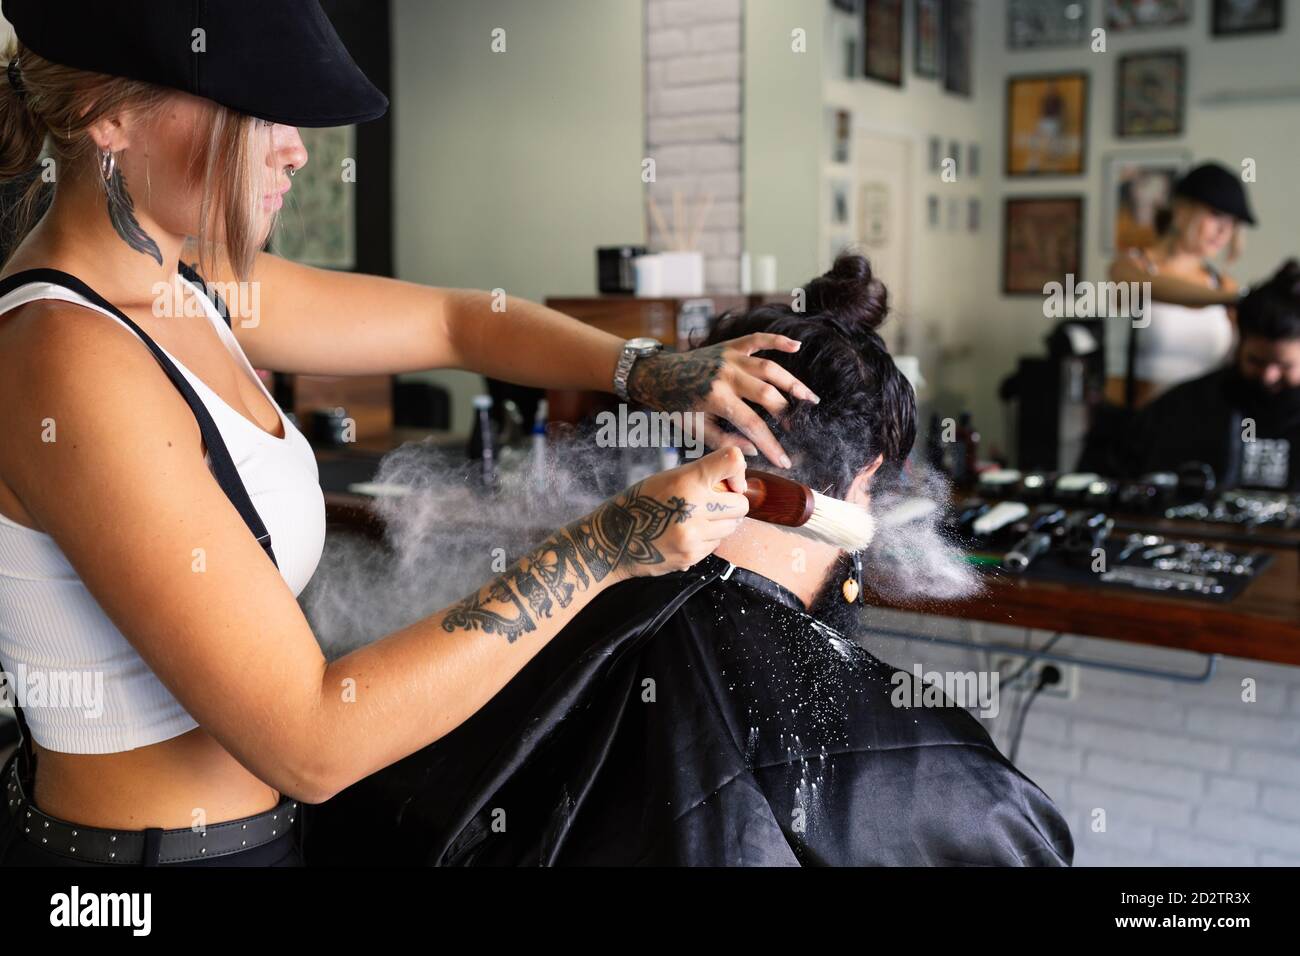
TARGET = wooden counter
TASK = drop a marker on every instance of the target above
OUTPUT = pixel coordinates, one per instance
(1262, 623)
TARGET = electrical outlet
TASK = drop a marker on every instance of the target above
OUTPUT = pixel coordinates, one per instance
(1065, 689)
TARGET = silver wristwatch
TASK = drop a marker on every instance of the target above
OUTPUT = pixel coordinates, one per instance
(633, 349)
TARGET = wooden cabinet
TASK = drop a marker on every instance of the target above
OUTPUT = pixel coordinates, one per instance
(367, 400)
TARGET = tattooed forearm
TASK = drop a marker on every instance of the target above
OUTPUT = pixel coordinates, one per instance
(617, 535)
(121, 212)
(675, 381)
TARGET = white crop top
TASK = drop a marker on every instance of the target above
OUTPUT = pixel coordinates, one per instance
(54, 633)
(1182, 343)
(1179, 344)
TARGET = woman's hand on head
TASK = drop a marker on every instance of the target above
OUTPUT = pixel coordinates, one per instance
(716, 380)
(671, 520)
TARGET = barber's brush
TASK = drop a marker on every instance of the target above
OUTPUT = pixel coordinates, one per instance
(792, 505)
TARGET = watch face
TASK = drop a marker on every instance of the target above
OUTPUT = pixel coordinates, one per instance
(643, 344)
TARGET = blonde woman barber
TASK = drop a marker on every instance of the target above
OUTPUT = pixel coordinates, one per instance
(219, 713)
(1192, 321)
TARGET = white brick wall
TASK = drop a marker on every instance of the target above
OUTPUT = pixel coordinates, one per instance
(693, 123)
(1188, 774)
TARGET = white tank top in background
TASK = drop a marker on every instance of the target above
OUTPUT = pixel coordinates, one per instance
(1182, 343)
(51, 625)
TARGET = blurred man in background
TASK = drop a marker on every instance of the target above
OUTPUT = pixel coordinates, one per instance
(1242, 420)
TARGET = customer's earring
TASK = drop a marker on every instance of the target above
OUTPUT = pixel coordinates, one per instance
(852, 588)
(107, 164)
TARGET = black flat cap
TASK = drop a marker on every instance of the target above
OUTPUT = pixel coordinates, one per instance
(1218, 188)
(279, 60)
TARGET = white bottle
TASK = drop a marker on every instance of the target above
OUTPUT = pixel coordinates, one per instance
(538, 460)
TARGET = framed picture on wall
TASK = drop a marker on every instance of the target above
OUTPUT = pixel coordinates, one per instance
(883, 41)
(1233, 17)
(841, 134)
(958, 31)
(1151, 92)
(322, 229)
(841, 197)
(929, 38)
(1146, 14)
(1034, 24)
(1137, 186)
(954, 213)
(1042, 242)
(1047, 124)
(875, 222)
(850, 65)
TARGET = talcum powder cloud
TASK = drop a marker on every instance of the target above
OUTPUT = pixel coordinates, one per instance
(443, 539)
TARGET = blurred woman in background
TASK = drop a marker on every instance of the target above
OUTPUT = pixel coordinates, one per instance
(1191, 327)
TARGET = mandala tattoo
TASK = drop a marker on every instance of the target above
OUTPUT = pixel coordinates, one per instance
(617, 535)
(121, 213)
(675, 381)
(623, 530)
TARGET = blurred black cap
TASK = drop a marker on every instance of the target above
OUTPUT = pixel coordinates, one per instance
(1218, 188)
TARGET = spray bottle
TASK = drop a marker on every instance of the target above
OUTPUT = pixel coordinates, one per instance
(485, 445)
(538, 453)
(966, 465)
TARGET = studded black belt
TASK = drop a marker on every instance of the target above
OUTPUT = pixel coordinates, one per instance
(148, 847)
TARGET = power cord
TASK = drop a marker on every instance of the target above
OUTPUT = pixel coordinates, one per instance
(1029, 661)
(1048, 676)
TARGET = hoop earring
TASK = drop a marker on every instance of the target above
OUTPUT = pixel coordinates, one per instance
(107, 165)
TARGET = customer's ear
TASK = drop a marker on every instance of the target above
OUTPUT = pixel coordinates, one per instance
(860, 490)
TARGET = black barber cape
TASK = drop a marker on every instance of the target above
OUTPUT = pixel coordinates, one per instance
(697, 719)
(1203, 421)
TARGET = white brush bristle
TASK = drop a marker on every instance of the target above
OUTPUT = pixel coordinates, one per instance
(839, 523)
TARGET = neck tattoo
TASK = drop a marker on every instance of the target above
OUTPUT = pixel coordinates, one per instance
(121, 213)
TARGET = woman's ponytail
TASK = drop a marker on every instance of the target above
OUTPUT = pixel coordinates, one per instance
(22, 135)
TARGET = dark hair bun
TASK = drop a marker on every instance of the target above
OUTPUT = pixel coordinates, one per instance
(1287, 279)
(849, 295)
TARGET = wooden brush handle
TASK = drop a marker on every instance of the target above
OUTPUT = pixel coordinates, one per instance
(778, 500)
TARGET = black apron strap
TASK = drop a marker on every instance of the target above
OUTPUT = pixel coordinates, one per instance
(192, 274)
(1130, 370)
(25, 756)
(223, 467)
(1130, 364)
